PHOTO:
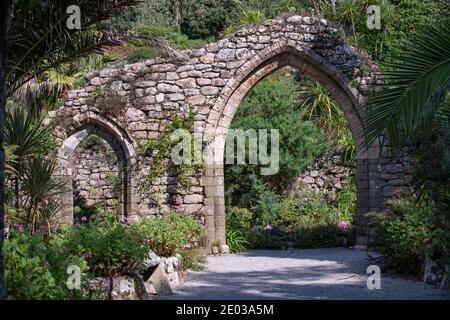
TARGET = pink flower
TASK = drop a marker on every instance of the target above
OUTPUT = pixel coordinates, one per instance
(87, 254)
(344, 225)
(84, 219)
(122, 220)
(268, 227)
(20, 227)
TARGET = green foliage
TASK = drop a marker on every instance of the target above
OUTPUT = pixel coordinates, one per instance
(34, 270)
(260, 237)
(116, 182)
(143, 53)
(238, 218)
(206, 18)
(153, 12)
(163, 144)
(408, 18)
(323, 236)
(170, 233)
(312, 210)
(248, 17)
(29, 136)
(42, 41)
(238, 221)
(402, 234)
(109, 249)
(431, 175)
(271, 104)
(171, 34)
(192, 259)
(308, 222)
(91, 141)
(236, 240)
(417, 81)
(88, 211)
(267, 207)
(41, 189)
(314, 236)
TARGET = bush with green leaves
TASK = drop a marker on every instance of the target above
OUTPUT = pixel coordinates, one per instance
(238, 222)
(35, 270)
(324, 236)
(239, 218)
(206, 18)
(109, 248)
(305, 237)
(169, 233)
(152, 12)
(171, 34)
(142, 53)
(402, 232)
(236, 240)
(306, 222)
(272, 105)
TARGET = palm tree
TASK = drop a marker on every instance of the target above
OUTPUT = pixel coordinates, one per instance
(25, 137)
(416, 82)
(320, 107)
(37, 41)
(40, 95)
(41, 189)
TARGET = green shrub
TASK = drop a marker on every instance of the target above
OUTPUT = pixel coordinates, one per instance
(272, 104)
(34, 270)
(323, 236)
(109, 250)
(313, 210)
(192, 259)
(268, 237)
(90, 212)
(267, 207)
(171, 34)
(236, 240)
(319, 236)
(239, 218)
(169, 233)
(205, 18)
(143, 53)
(401, 235)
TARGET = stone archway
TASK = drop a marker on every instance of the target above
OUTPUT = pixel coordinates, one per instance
(270, 60)
(138, 101)
(123, 150)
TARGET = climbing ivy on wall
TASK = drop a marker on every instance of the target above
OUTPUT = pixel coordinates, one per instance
(161, 147)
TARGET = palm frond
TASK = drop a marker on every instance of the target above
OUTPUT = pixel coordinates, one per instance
(415, 84)
(24, 133)
(38, 38)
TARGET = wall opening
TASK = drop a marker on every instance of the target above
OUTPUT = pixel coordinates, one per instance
(314, 187)
(95, 163)
(96, 175)
(339, 88)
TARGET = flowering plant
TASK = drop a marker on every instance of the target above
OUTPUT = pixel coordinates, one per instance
(344, 225)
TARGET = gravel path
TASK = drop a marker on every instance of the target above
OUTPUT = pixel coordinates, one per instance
(336, 273)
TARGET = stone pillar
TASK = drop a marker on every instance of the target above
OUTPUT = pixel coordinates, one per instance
(66, 201)
(209, 184)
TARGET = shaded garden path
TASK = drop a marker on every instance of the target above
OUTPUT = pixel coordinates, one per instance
(336, 273)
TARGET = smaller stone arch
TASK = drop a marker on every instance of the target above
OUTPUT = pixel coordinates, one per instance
(122, 146)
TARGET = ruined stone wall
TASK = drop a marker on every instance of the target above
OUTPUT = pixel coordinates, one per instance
(328, 175)
(135, 103)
